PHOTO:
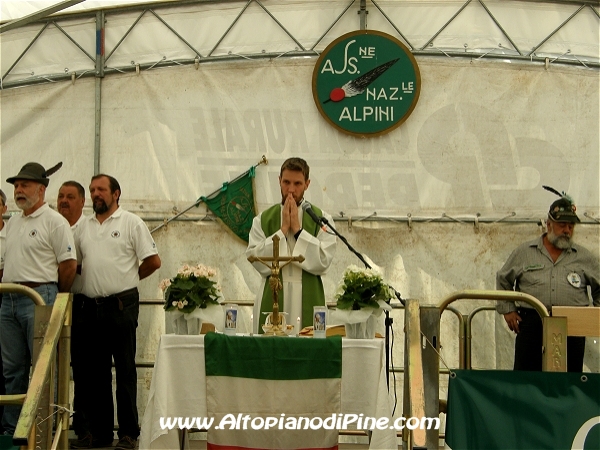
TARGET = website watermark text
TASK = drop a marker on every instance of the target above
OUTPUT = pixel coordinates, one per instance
(283, 422)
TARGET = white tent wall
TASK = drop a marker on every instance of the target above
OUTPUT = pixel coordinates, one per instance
(483, 138)
(48, 123)
(175, 32)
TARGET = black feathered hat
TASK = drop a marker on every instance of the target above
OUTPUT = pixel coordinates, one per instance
(36, 172)
(563, 209)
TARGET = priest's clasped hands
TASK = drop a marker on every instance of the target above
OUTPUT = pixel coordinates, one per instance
(290, 219)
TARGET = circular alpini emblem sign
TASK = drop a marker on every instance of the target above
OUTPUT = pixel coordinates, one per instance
(366, 83)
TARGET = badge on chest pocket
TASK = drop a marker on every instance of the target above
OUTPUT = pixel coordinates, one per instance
(574, 279)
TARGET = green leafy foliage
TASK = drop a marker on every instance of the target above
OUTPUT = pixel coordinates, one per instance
(361, 288)
(191, 288)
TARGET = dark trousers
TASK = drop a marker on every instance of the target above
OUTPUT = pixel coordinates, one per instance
(115, 338)
(528, 346)
(2, 387)
(2, 390)
(83, 354)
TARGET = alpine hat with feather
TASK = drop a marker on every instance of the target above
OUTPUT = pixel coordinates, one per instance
(563, 209)
(36, 172)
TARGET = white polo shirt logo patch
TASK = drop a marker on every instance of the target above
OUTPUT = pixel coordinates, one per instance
(33, 233)
(115, 234)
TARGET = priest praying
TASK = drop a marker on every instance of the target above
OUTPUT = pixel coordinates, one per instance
(299, 235)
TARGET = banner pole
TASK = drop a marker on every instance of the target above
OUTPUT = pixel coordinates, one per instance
(197, 203)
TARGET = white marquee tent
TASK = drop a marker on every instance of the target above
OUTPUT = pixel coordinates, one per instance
(174, 98)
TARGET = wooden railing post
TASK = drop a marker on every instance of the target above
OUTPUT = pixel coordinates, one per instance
(414, 373)
(42, 370)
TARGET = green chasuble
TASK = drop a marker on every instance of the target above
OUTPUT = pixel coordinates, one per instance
(312, 285)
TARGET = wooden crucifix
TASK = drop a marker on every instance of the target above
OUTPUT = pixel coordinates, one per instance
(275, 282)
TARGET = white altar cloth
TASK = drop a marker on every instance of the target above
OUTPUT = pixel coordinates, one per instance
(178, 388)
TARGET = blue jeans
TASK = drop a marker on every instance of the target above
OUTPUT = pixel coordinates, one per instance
(16, 339)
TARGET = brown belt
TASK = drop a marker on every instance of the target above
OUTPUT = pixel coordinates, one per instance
(32, 284)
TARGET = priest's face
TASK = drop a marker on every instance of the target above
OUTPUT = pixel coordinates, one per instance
(293, 181)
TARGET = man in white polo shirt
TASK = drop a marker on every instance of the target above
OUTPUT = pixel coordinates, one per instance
(70, 203)
(112, 243)
(40, 254)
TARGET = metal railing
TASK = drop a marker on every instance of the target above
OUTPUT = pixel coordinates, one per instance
(57, 333)
(421, 359)
(469, 334)
(465, 321)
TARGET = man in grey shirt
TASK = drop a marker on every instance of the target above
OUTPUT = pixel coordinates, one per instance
(556, 271)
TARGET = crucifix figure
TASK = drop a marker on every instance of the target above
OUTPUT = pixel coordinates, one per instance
(275, 283)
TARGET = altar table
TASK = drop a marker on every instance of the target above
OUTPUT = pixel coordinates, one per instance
(178, 388)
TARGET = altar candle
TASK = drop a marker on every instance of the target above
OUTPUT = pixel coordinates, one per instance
(251, 324)
(298, 326)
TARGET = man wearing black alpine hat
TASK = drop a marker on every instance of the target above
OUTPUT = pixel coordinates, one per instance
(556, 271)
(40, 254)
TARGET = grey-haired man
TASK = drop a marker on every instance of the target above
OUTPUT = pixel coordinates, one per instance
(556, 271)
(40, 254)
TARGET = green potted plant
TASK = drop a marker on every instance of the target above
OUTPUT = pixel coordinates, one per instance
(361, 298)
(192, 296)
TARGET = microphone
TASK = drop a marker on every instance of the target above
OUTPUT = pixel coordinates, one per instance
(307, 208)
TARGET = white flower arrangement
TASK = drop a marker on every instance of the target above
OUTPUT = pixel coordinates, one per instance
(361, 288)
(190, 289)
(361, 299)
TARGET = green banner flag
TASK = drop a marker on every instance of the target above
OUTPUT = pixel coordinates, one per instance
(494, 409)
(234, 204)
(300, 380)
(273, 359)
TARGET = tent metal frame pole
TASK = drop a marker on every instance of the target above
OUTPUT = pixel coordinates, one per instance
(33, 41)
(38, 15)
(281, 25)
(293, 54)
(382, 12)
(506, 53)
(500, 27)
(172, 30)
(318, 41)
(534, 49)
(126, 34)
(446, 25)
(230, 27)
(362, 13)
(68, 36)
(98, 88)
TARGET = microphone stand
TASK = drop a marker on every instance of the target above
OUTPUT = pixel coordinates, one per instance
(388, 320)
